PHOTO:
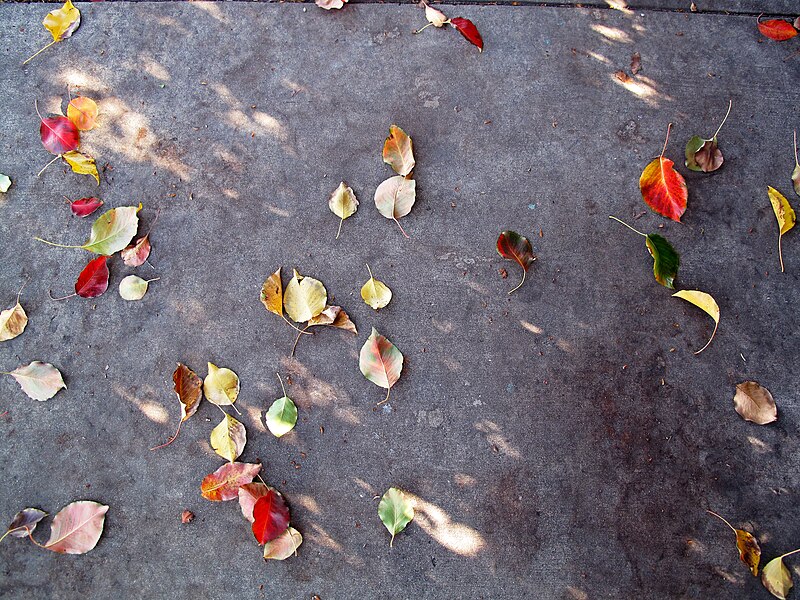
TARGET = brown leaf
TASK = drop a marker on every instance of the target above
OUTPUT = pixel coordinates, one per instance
(636, 63)
(187, 516)
(622, 76)
(755, 403)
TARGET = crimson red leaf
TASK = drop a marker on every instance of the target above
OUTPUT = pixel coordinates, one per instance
(468, 30)
(93, 280)
(59, 135)
(271, 517)
(85, 206)
(777, 29)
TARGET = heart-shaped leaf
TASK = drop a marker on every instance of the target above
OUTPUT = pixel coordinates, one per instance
(83, 112)
(93, 280)
(396, 511)
(663, 188)
(12, 322)
(40, 381)
(777, 29)
(24, 522)
(785, 215)
(380, 362)
(229, 438)
(136, 254)
(777, 578)
(304, 298)
(375, 293)
(283, 546)
(343, 204)
(705, 302)
(134, 288)
(85, 206)
(513, 246)
(223, 484)
(77, 527)
(395, 197)
(398, 151)
(755, 403)
(270, 517)
(59, 135)
(221, 386)
(468, 30)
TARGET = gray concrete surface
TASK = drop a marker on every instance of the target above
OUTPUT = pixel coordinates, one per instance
(565, 441)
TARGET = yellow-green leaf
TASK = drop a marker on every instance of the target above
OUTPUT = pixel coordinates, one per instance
(777, 578)
(343, 203)
(375, 293)
(281, 416)
(12, 322)
(82, 164)
(395, 511)
(705, 302)
(228, 438)
(221, 386)
(272, 293)
(134, 288)
(304, 298)
(785, 215)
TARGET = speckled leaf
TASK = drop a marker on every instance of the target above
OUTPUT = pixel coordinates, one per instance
(396, 511)
(284, 546)
(40, 381)
(705, 302)
(746, 543)
(229, 438)
(398, 151)
(777, 578)
(83, 164)
(380, 361)
(703, 155)
(12, 322)
(24, 522)
(755, 403)
(77, 527)
(223, 484)
(221, 386)
(189, 389)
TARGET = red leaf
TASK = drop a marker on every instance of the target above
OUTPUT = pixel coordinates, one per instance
(85, 206)
(135, 254)
(663, 188)
(271, 517)
(59, 135)
(93, 280)
(468, 30)
(777, 29)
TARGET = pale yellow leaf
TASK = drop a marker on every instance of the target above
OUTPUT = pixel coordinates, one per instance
(343, 203)
(777, 578)
(375, 293)
(705, 302)
(436, 17)
(12, 322)
(221, 386)
(283, 546)
(229, 438)
(304, 298)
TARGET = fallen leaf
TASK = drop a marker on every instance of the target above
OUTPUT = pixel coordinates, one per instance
(380, 362)
(249, 493)
(12, 322)
(785, 215)
(343, 203)
(61, 23)
(111, 232)
(189, 389)
(136, 254)
(5, 183)
(40, 381)
(282, 415)
(93, 280)
(665, 259)
(663, 188)
(513, 246)
(270, 517)
(283, 546)
(395, 511)
(272, 293)
(59, 135)
(375, 293)
(777, 578)
(221, 386)
(746, 543)
(304, 298)
(435, 17)
(636, 63)
(223, 484)
(395, 197)
(622, 76)
(468, 30)
(398, 151)
(755, 403)
(187, 516)
(24, 522)
(83, 112)
(77, 527)
(704, 154)
(330, 4)
(334, 316)
(705, 302)
(777, 29)
(228, 438)
(133, 288)
(85, 206)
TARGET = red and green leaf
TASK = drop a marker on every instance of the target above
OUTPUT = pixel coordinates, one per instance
(468, 30)
(270, 517)
(663, 188)
(380, 361)
(513, 246)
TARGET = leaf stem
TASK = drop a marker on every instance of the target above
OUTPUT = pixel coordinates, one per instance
(171, 439)
(340, 228)
(795, 149)
(713, 333)
(297, 339)
(49, 293)
(519, 285)
(780, 251)
(664, 149)
(281, 380)
(628, 226)
(388, 391)
(723, 519)
(39, 52)
(54, 244)
(293, 326)
(423, 29)
(19, 293)
(401, 227)
(730, 104)
(371, 276)
(30, 535)
(789, 553)
(39, 174)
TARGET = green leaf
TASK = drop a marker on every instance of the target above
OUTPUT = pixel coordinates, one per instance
(694, 144)
(777, 578)
(281, 416)
(395, 511)
(111, 232)
(665, 259)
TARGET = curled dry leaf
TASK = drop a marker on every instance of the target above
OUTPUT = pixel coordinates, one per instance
(468, 30)
(189, 389)
(334, 316)
(187, 516)
(304, 298)
(330, 4)
(705, 155)
(395, 197)
(785, 215)
(111, 232)
(663, 188)
(435, 17)
(249, 493)
(223, 484)
(283, 546)
(705, 302)
(777, 29)
(83, 207)
(136, 254)
(270, 516)
(375, 293)
(59, 135)
(5, 183)
(777, 578)
(636, 63)
(746, 543)
(221, 386)
(229, 438)
(40, 381)
(24, 522)
(513, 246)
(380, 362)
(755, 403)
(12, 322)
(83, 112)
(343, 204)
(795, 171)
(134, 288)
(395, 510)
(83, 164)
(77, 527)
(398, 151)
(93, 280)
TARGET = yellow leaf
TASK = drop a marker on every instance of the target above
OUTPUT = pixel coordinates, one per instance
(749, 551)
(272, 293)
(705, 302)
(12, 322)
(82, 111)
(375, 293)
(63, 21)
(221, 386)
(228, 438)
(304, 298)
(777, 578)
(82, 163)
(343, 203)
(784, 213)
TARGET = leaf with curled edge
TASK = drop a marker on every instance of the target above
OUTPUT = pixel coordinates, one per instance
(705, 302)
(785, 215)
(746, 543)
(24, 523)
(398, 151)
(61, 23)
(777, 29)
(83, 207)
(136, 254)
(334, 316)
(435, 17)
(796, 170)
(513, 246)
(665, 258)
(468, 30)
(223, 484)
(12, 322)
(755, 403)
(663, 188)
(304, 298)
(188, 388)
(221, 385)
(704, 154)
(776, 577)
(381, 362)
(39, 380)
(77, 527)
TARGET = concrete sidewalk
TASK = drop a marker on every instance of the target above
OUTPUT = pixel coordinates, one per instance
(564, 441)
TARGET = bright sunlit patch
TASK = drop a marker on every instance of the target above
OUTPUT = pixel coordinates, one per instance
(643, 88)
(494, 436)
(599, 58)
(456, 537)
(307, 502)
(612, 33)
(620, 6)
(531, 327)
(758, 444)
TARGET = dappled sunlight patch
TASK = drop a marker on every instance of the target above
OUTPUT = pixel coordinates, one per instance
(307, 502)
(612, 34)
(456, 537)
(531, 327)
(494, 435)
(643, 88)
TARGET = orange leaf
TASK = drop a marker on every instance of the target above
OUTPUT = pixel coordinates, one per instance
(663, 188)
(777, 29)
(82, 111)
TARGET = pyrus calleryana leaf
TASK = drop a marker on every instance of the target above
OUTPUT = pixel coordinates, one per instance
(189, 389)
(59, 134)
(795, 171)
(435, 17)
(334, 316)
(136, 254)
(665, 259)
(61, 23)
(513, 246)
(396, 511)
(282, 415)
(304, 298)
(221, 386)
(663, 188)
(467, 28)
(270, 517)
(83, 112)
(755, 403)
(82, 164)
(705, 302)
(272, 293)
(5, 183)
(283, 546)
(704, 154)
(381, 362)
(330, 4)
(12, 322)
(343, 203)
(398, 151)
(77, 527)
(395, 197)
(224, 483)
(375, 293)
(40, 381)
(229, 438)
(249, 493)
(133, 287)
(83, 207)
(24, 522)
(785, 215)
(746, 543)
(111, 232)
(777, 578)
